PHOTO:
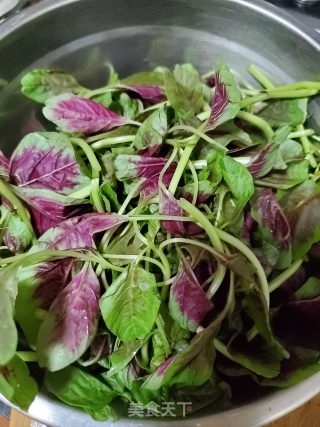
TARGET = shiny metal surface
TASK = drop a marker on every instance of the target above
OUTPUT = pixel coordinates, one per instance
(80, 35)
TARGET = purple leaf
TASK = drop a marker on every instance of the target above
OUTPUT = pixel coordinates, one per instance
(52, 277)
(150, 134)
(133, 166)
(71, 323)
(151, 94)
(249, 227)
(188, 302)
(295, 323)
(39, 285)
(74, 114)
(165, 365)
(203, 270)
(225, 103)
(302, 206)
(77, 232)
(170, 206)
(150, 187)
(273, 224)
(4, 167)
(48, 208)
(47, 160)
(263, 162)
(288, 288)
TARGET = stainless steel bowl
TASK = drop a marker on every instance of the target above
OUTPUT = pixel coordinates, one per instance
(80, 35)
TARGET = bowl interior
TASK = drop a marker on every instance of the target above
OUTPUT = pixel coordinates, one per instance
(81, 36)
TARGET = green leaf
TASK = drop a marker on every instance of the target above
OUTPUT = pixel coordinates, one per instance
(16, 384)
(184, 90)
(259, 313)
(128, 244)
(26, 304)
(178, 362)
(42, 84)
(159, 354)
(292, 112)
(225, 207)
(310, 290)
(264, 363)
(122, 357)
(151, 132)
(110, 194)
(238, 179)
(291, 150)
(130, 306)
(199, 370)
(292, 378)
(8, 330)
(296, 173)
(78, 388)
(232, 133)
(18, 236)
(144, 78)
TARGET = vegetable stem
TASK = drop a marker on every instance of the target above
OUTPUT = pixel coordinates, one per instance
(214, 238)
(109, 142)
(27, 356)
(260, 77)
(285, 275)
(180, 168)
(306, 145)
(85, 147)
(257, 122)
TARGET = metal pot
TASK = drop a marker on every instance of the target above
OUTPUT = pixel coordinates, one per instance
(80, 35)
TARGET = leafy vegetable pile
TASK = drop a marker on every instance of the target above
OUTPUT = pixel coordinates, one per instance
(161, 242)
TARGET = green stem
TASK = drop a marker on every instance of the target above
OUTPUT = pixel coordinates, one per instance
(257, 122)
(204, 222)
(241, 247)
(307, 148)
(300, 85)
(214, 238)
(300, 93)
(277, 94)
(85, 147)
(83, 193)
(95, 194)
(110, 142)
(27, 356)
(180, 168)
(260, 77)
(159, 218)
(249, 100)
(22, 212)
(156, 106)
(160, 324)
(37, 257)
(100, 91)
(299, 133)
(199, 133)
(130, 196)
(195, 183)
(285, 275)
(144, 354)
